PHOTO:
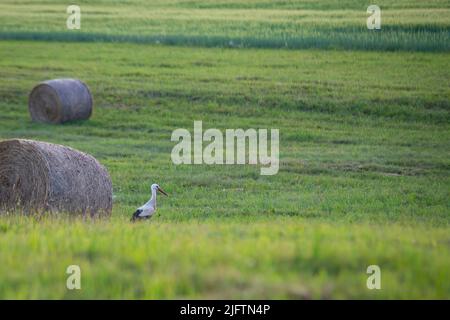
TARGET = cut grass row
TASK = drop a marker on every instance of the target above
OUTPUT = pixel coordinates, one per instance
(422, 40)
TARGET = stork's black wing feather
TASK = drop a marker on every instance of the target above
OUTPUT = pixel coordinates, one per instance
(136, 214)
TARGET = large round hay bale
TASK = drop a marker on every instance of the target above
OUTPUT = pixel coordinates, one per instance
(38, 176)
(59, 101)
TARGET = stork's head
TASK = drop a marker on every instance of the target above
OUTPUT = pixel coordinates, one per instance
(156, 187)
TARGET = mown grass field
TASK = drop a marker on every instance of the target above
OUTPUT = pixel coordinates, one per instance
(364, 149)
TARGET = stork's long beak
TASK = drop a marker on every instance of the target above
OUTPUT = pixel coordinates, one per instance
(163, 192)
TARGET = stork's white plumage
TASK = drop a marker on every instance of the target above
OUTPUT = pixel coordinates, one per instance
(148, 209)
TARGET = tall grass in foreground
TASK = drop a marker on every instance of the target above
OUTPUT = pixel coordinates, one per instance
(284, 257)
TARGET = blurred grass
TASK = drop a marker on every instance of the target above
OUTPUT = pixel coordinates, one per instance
(283, 257)
(406, 25)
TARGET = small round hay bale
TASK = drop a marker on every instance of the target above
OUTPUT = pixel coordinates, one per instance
(59, 101)
(38, 176)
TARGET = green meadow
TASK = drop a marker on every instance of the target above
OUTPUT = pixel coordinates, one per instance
(364, 125)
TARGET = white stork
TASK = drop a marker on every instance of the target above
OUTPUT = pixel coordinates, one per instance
(148, 209)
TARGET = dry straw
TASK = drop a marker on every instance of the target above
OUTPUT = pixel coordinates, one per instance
(59, 101)
(38, 176)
